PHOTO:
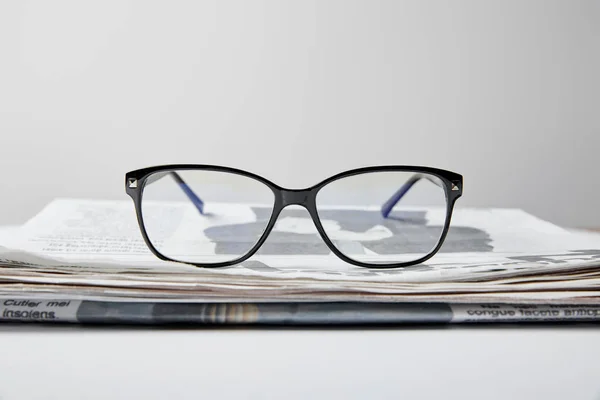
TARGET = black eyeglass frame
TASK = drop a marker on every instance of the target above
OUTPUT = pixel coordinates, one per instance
(136, 180)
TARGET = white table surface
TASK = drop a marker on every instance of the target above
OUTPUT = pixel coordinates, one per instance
(505, 362)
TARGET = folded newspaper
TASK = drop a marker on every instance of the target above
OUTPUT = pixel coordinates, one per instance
(85, 261)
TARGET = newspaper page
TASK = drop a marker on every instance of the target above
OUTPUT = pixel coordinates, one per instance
(93, 250)
(481, 243)
(157, 313)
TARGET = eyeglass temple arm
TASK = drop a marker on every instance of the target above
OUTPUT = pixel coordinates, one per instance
(387, 207)
(198, 203)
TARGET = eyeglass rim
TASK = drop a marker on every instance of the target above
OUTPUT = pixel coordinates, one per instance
(452, 184)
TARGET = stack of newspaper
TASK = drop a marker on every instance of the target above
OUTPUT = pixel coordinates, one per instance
(85, 261)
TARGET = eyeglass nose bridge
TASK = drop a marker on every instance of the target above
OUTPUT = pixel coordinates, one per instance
(300, 197)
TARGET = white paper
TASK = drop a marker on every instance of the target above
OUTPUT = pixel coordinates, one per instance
(95, 246)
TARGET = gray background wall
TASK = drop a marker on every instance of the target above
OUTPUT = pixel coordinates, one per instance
(504, 92)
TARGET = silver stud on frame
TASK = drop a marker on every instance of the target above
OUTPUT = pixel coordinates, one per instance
(132, 183)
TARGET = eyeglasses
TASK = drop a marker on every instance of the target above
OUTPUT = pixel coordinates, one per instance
(214, 216)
